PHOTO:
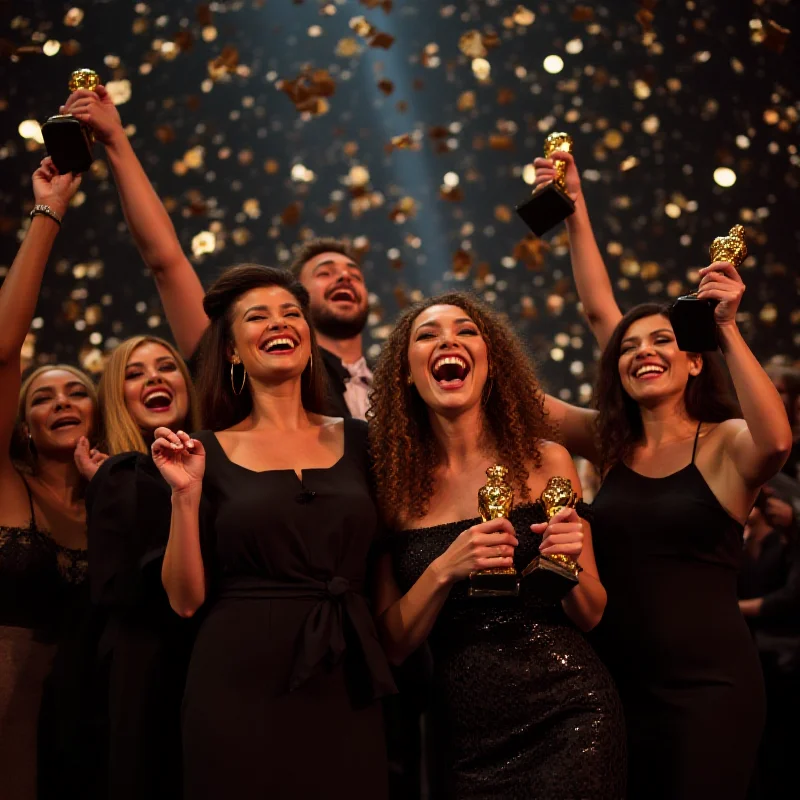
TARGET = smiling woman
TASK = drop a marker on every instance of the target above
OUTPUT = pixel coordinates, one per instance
(145, 384)
(272, 523)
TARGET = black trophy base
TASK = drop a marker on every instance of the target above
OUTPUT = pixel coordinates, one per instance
(546, 208)
(494, 583)
(694, 324)
(68, 143)
(549, 579)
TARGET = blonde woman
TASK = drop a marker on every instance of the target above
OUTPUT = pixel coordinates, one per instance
(146, 646)
(42, 520)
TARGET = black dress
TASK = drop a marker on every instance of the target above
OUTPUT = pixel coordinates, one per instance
(41, 586)
(673, 636)
(286, 668)
(522, 707)
(144, 647)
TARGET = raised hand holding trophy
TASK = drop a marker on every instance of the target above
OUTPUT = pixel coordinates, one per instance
(68, 141)
(550, 204)
(495, 501)
(692, 319)
(553, 575)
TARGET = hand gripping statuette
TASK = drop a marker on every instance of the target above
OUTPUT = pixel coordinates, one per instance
(692, 319)
(553, 575)
(550, 204)
(495, 501)
(69, 142)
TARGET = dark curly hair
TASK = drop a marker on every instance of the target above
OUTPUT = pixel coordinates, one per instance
(708, 396)
(315, 247)
(405, 451)
(220, 407)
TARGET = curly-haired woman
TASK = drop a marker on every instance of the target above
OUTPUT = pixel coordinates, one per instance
(681, 471)
(522, 707)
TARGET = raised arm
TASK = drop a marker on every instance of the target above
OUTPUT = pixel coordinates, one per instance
(148, 221)
(405, 621)
(759, 446)
(181, 460)
(588, 268)
(573, 427)
(20, 289)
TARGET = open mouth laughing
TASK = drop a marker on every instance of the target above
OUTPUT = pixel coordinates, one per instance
(65, 423)
(649, 371)
(158, 400)
(343, 294)
(450, 372)
(279, 345)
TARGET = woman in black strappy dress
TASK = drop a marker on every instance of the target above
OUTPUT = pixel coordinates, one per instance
(680, 474)
(272, 523)
(42, 521)
(521, 705)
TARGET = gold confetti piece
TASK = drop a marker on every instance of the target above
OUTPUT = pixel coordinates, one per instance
(629, 163)
(775, 36)
(523, 16)
(73, 17)
(386, 86)
(531, 251)
(645, 19)
(466, 101)
(471, 44)
(224, 64)
(462, 262)
(290, 215)
(119, 91)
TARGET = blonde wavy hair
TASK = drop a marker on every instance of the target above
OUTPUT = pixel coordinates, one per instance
(123, 435)
(22, 455)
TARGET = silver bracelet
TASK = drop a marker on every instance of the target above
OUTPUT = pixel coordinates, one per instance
(46, 211)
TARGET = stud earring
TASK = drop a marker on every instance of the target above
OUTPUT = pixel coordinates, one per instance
(410, 379)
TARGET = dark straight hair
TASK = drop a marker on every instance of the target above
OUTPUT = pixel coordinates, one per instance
(220, 407)
(708, 397)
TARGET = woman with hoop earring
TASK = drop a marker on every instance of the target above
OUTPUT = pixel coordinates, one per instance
(272, 522)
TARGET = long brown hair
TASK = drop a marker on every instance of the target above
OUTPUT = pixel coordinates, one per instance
(707, 397)
(404, 449)
(122, 434)
(23, 454)
(220, 407)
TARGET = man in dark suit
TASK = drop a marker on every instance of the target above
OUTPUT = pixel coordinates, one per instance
(339, 309)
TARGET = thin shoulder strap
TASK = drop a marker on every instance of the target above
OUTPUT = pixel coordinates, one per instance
(696, 439)
(30, 500)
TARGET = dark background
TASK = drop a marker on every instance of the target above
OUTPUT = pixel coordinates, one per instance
(715, 71)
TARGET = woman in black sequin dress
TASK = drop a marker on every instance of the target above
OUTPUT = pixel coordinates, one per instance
(522, 707)
(42, 523)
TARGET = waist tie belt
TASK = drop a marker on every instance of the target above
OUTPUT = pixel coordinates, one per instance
(323, 637)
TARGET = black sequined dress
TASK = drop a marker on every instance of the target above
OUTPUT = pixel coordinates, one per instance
(522, 706)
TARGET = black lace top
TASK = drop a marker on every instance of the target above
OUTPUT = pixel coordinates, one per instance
(38, 576)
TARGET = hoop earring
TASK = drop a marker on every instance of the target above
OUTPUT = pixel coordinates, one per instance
(244, 379)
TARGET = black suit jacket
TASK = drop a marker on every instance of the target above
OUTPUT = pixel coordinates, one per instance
(337, 383)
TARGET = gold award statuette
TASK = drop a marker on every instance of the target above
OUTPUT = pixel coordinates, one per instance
(68, 141)
(693, 319)
(554, 575)
(550, 204)
(495, 501)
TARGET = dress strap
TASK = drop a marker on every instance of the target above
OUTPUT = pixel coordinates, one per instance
(696, 439)
(30, 502)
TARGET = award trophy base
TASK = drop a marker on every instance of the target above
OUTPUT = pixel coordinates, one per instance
(69, 143)
(694, 324)
(551, 578)
(494, 583)
(546, 208)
